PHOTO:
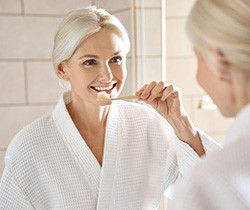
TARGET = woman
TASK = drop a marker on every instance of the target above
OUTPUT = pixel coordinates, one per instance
(220, 33)
(90, 154)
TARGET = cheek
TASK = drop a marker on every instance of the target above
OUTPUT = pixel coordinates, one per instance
(80, 80)
(204, 75)
(124, 73)
(121, 73)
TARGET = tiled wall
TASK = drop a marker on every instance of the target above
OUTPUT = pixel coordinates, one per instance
(181, 70)
(29, 86)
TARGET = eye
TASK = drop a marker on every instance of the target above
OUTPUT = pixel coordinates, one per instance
(116, 59)
(90, 62)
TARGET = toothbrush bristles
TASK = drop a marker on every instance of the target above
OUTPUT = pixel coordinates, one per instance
(103, 96)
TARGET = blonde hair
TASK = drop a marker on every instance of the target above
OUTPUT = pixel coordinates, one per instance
(223, 25)
(78, 25)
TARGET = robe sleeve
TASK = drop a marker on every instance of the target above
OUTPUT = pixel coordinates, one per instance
(187, 157)
(11, 196)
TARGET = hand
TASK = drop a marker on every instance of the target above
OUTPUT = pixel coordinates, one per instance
(163, 97)
(166, 99)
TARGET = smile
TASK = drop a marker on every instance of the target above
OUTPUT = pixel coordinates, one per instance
(106, 89)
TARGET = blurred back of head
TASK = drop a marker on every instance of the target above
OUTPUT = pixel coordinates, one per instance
(222, 25)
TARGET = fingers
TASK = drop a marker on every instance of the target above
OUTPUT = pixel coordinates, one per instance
(148, 91)
(155, 90)
(140, 91)
(167, 92)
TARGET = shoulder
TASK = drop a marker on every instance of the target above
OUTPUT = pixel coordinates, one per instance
(29, 138)
(230, 159)
(141, 116)
(35, 128)
(218, 170)
(136, 109)
(220, 177)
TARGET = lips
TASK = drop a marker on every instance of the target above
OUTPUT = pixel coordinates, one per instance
(108, 89)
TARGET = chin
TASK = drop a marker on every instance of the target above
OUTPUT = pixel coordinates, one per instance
(228, 113)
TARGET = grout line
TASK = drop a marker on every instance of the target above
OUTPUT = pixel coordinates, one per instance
(28, 104)
(176, 17)
(134, 73)
(44, 15)
(119, 10)
(26, 59)
(180, 57)
(22, 14)
(11, 14)
(148, 8)
(26, 81)
(22, 7)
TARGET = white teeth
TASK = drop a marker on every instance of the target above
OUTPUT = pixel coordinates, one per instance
(104, 88)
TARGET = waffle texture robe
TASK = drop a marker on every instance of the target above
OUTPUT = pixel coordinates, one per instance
(49, 165)
(222, 180)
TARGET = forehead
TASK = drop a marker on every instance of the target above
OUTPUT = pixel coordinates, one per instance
(104, 42)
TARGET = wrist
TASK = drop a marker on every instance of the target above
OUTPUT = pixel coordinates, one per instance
(183, 128)
(187, 132)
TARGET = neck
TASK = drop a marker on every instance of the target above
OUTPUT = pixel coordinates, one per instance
(92, 118)
(242, 90)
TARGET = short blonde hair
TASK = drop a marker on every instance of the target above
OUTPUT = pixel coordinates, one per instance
(78, 25)
(221, 24)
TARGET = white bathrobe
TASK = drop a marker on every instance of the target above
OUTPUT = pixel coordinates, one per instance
(49, 165)
(222, 180)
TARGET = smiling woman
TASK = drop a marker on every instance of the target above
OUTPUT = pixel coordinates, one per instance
(90, 154)
(98, 64)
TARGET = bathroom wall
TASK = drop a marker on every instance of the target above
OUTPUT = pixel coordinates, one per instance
(29, 86)
(181, 70)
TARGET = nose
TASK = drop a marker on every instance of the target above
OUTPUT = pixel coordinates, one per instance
(106, 74)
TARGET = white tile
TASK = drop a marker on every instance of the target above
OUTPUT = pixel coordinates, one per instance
(15, 118)
(12, 82)
(2, 153)
(176, 39)
(149, 69)
(55, 7)
(210, 120)
(113, 5)
(148, 3)
(42, 83)
(182, 73)
(10, 6)
(148, 32)
(27, 37)
(125, 18)
(178, 8)
(128, 86)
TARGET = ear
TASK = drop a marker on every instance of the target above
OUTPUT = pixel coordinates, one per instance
(62, 71)
(223, 65)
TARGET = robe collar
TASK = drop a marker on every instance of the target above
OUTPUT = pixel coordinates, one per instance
(100, 178)
(240, 127)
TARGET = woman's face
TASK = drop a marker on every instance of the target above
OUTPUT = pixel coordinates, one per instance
(219, 89)
(98, 64)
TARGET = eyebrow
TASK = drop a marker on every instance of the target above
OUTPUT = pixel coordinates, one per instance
(95, 56)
